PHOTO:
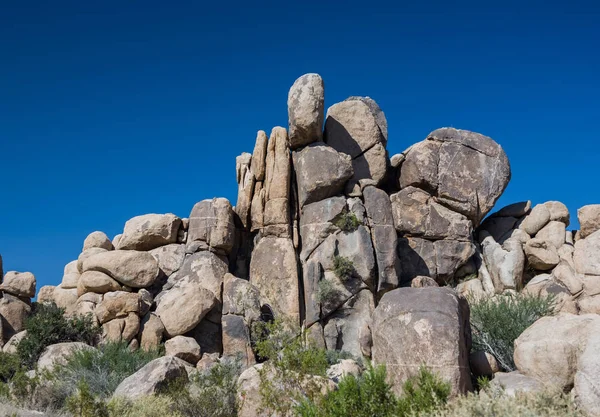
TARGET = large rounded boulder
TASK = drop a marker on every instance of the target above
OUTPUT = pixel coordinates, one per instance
(465, 171)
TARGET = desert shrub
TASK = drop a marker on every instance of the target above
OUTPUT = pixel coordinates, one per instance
(151, 406)
(343, 267)
(336, 356)
(292, 371)
(370, 395)
(422, 393)
(101, 370)
(347, 221)
(47, 326)
(10, 364)
(326, 292)
(365, 396)
(497, 322)
(84, 404)
(208, 394)
(498, 404)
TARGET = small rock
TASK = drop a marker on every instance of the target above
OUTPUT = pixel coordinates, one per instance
(97, 240)
(185, 348)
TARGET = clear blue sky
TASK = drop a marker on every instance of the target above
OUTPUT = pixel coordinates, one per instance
(117, 109)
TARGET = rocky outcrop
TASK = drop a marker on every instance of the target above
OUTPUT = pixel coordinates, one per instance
(324, 230)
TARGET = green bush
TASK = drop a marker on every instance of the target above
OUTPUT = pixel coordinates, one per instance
(347, 221)
(47, 326)
(498, 404)
(343, 267)
(326, 292)
(422, 393)
(370, 395)
(101, 370)
(336, 356)
(152, 406)
(292, 371)
(212, 393)
(366, 396)
(84, 404)
(498, 321)
(10, 364)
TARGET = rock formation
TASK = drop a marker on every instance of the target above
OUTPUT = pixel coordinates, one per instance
(325, 230)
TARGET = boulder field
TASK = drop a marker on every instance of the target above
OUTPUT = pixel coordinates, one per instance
(368, 252)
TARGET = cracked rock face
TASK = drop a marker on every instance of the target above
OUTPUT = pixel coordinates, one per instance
(466, 171)
(357, 127)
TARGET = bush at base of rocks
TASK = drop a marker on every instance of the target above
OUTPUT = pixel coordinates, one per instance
(542, 404)
(47, 326)
(208, 394)
(370, 395)
(101, 370)
(294, 371)
(496, 323)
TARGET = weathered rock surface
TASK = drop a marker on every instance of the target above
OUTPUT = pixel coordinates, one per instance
(20, 284)
(185, 348)
(149, 231)
(236, 340)
(589, 219)
(59, 353)
(306, 102)
(246, 182)
(97, 282)
(513, 382)
(505, 263)
(85, 255)
(586, 257)
(13, 312)
(274, 271)
(151, 332)
(169, 257)
(357, 127)
(412, 326)
(97, 240)
(536, 220)
(416, 214)
(383, 234)
(182, 307)
(206, 269)
(275, 200)
(152, 378)
(466, 171)
(211, 222)
(132, 268)
(71, 276)
(541, 255)
(563, 350)
(321, 172)
(117, 304)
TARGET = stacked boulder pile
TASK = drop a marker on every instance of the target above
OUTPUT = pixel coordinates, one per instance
(530, 249)
(16, 291)
(359, 248)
